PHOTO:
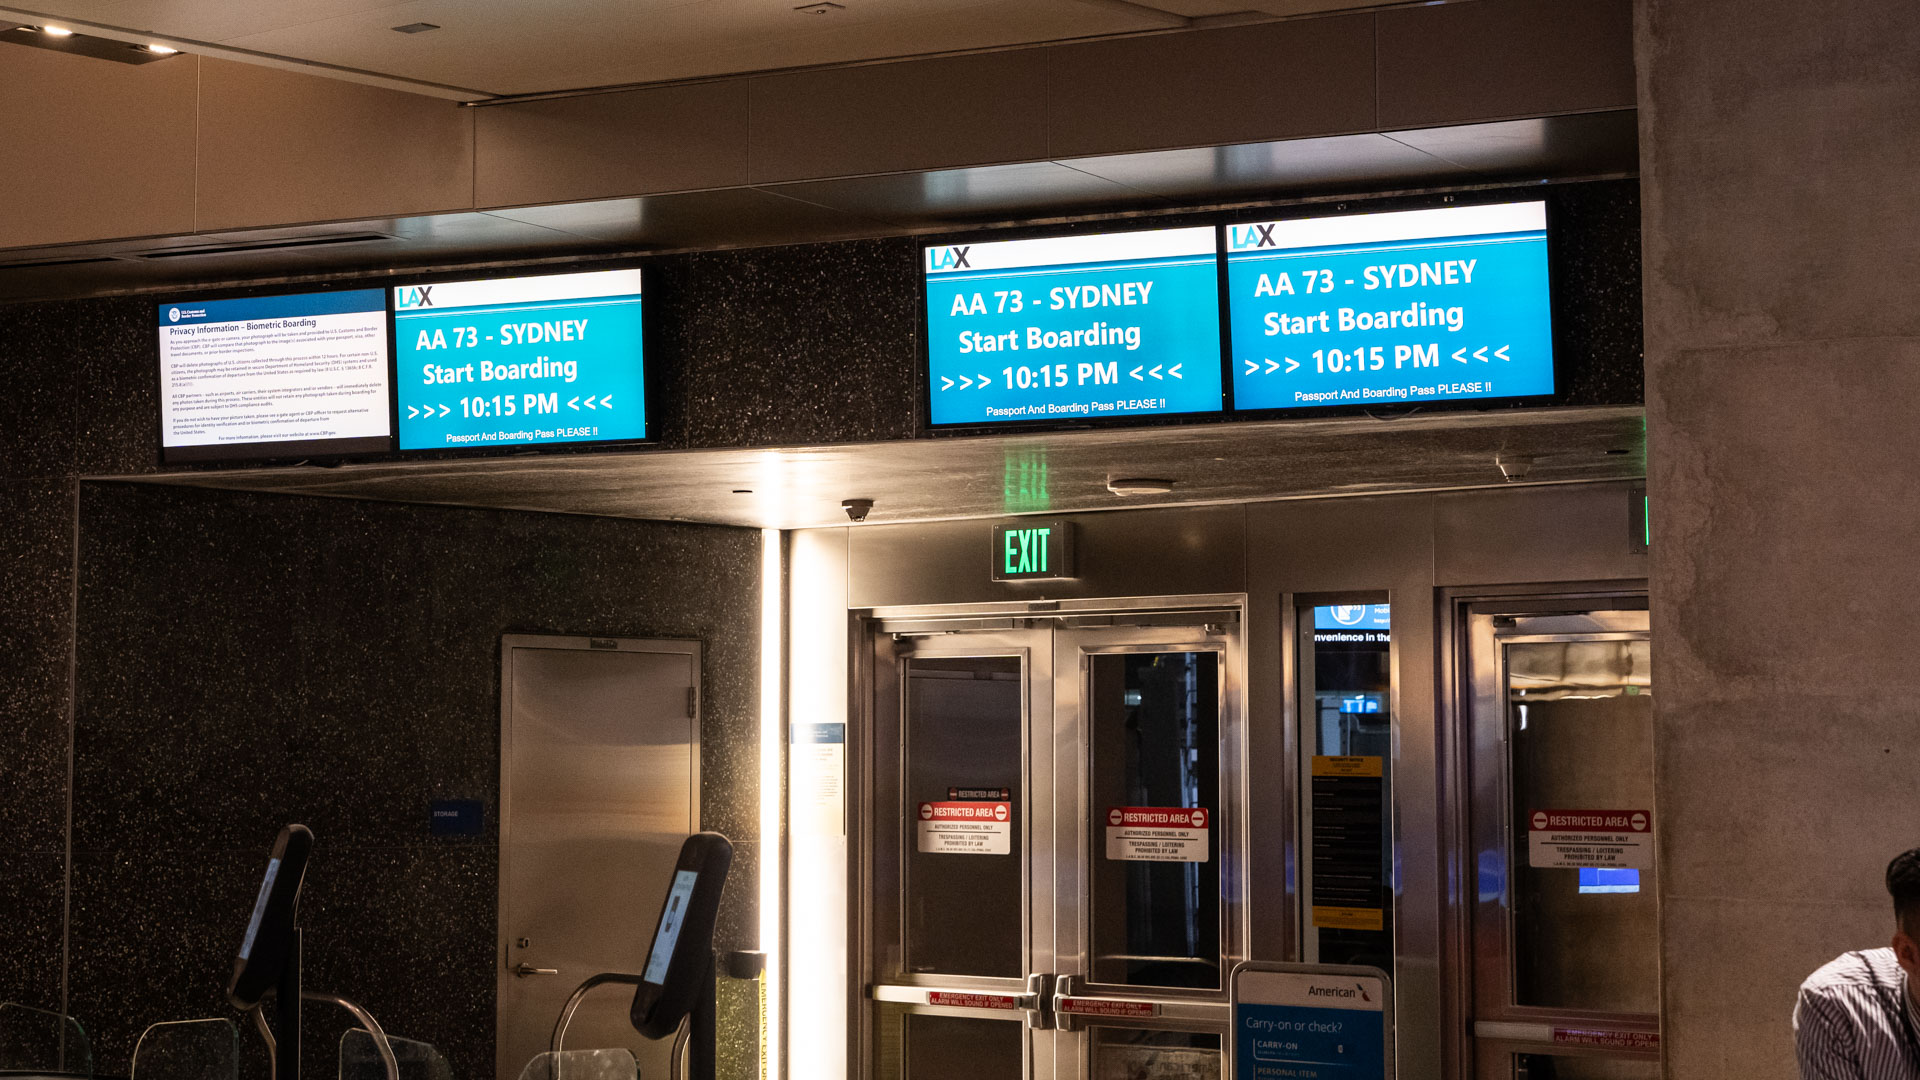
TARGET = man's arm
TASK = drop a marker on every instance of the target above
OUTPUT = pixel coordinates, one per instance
(1823, 1039)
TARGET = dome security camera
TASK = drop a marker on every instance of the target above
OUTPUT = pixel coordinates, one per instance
(856, 508)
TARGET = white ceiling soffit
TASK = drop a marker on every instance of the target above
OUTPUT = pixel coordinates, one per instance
(500, 47)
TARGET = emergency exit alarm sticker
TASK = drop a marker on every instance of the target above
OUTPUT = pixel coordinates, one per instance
(966, 828)
(1605, 839)
(1157, 833)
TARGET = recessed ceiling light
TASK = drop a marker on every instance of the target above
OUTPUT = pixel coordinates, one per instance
(161, 50)
(56, 31)
(417, 27)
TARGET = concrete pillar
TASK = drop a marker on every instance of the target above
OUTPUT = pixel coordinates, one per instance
(1781, 172)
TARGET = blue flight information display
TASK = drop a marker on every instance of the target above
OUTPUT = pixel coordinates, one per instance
(1394, 308)
(520, 361)
(1074, 327)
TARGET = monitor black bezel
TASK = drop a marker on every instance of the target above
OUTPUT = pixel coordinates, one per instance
(1220, 220)
(923, 373)
(1391, 204)
(649, 370)
(244, 455)
(269, 453)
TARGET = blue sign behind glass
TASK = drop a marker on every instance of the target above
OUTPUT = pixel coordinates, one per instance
(1396, 308)
(520, 361)
(1074, 327)
(1353, 617)
(1605, 880)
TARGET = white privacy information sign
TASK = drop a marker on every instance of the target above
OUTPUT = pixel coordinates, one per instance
(966, 828)
(1157, 833)
(1606, 839)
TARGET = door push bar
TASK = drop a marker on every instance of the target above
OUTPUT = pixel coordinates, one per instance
(1036, 1001)
(1072, 1008)
(1057, 1001)
(1588, 1034)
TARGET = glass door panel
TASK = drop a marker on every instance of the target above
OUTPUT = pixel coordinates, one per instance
(965, 719)
(963, 1048)
(1346, 766)
(1154, 728)
(1580, 735)
(1146, 1054)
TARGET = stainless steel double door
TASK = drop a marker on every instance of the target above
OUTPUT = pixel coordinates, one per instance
(1055, 853)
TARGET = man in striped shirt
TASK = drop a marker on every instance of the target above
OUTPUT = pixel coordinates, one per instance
(1857, 1018)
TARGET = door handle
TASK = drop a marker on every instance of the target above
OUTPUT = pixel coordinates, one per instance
(525, 969)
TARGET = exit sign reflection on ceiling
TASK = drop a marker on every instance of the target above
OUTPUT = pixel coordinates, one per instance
(1033, 549)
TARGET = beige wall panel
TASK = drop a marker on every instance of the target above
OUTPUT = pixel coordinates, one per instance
(672, 138)
(1722, 959)
(1783, 358)
(1335, 545)
(1167, 552)
(1575, 532)
(278, 148)
(926, 114)
(1283, 80)
(1495, 59)
(94, 150)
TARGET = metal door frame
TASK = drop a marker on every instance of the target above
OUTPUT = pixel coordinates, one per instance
(1485, 1042)
(1067, 754)
(690, 648)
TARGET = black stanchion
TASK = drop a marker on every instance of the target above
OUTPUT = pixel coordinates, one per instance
(286, 1014)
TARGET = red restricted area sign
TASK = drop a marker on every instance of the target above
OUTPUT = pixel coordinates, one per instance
(1606, 839)
(966, 828)
(1158, 833)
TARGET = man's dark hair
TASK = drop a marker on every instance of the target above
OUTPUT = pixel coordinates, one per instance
(1903, 882)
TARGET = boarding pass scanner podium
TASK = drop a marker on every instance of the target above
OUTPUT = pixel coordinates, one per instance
(674, 991)
(269, 962)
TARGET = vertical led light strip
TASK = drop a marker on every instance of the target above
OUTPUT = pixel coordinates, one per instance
(773, 621)
(818, 949)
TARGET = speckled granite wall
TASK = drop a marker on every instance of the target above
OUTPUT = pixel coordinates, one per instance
(786, 346)
(64, 411)
(249, 660)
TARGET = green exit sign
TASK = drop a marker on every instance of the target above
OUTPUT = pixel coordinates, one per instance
(1033, 550)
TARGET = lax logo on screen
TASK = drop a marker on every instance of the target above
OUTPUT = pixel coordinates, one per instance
(953, 258)
(1248, 237)
(418, 296)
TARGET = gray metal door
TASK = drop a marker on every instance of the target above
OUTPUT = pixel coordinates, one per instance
(599, 784)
